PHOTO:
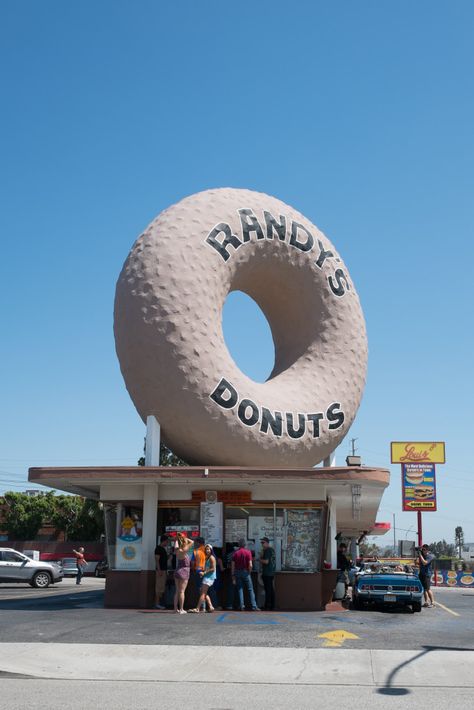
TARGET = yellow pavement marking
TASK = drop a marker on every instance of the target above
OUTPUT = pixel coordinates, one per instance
(335, 639)
(450, 611)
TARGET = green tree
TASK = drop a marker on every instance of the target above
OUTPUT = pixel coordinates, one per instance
(459, 540)
(78, 518)
(90, 523)
(65, 514)
(167, 458)
(442, 549)
(25, 514)
(369, 550)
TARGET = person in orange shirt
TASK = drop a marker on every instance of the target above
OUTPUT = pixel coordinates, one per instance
(199, 563)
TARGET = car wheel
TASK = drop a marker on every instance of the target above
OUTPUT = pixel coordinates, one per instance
(416, 606)
(356, 603)
(41, 580)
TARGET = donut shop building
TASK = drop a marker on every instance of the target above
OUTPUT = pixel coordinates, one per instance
(301, 511)
(259, 441)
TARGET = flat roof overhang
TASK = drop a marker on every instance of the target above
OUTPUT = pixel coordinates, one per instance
(332, 482)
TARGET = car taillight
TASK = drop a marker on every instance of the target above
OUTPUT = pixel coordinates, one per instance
(367, 587)
(413, 589)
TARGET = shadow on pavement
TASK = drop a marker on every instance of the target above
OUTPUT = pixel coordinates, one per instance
(389, 689)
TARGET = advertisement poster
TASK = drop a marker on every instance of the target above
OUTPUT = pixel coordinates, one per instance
(128, 551)
(418, 486)
(303, 540)
(454, 578)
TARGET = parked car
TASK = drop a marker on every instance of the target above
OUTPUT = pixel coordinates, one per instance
(101, 568)
(17, 567)
(387, 585)
(69, 566)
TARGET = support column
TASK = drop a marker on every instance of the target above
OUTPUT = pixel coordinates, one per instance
(150, 513)
(118, 532)
(330, 460)
(332, 532)
(118, 521)
(152, 447)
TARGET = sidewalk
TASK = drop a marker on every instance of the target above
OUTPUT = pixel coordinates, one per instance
(297, 666)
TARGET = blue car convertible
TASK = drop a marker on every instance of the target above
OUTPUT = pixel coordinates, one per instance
(387, 585)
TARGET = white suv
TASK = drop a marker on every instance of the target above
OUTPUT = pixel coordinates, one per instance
(17, 567)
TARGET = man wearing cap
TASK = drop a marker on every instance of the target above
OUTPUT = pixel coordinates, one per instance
(425, 558)
(268, 562)
(241, 567)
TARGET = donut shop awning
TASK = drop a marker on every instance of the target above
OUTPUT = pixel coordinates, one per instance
(127, 484)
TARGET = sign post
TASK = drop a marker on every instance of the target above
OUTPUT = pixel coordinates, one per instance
(420, 531)
(418, 459)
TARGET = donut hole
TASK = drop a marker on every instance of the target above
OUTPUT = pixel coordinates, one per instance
(295, 310)
(248, 336)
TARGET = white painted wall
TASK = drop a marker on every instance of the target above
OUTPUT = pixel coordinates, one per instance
(121, 491)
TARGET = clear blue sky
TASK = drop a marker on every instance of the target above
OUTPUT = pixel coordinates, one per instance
(360, 115)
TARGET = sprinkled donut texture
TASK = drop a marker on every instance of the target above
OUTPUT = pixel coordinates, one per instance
(170, 344)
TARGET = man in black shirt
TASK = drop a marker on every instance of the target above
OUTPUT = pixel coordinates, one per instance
(425, 560)
(344, 565)
(161, 560)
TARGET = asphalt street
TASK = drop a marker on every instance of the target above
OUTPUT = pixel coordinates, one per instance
(59, 648)
(67, 613)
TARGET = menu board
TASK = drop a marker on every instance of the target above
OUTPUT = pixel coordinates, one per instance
(302, 543)
(235, 530)
(211, 523)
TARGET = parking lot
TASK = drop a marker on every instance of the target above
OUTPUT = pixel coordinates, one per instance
(75, 614)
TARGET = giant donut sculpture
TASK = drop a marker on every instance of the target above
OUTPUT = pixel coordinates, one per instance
(169, 339)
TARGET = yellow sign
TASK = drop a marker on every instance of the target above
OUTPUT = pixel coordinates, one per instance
(335, 639)
(417, 452)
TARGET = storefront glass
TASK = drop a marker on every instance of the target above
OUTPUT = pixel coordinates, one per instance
(296, 533)
(173, 519)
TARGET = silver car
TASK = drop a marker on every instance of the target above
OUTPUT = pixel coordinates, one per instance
(17, 567)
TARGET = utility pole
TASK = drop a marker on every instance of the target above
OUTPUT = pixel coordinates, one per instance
(394, 537)
(353, 441)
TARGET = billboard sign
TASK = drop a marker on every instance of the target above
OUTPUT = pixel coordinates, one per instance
(418, 486)
(405, 452)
